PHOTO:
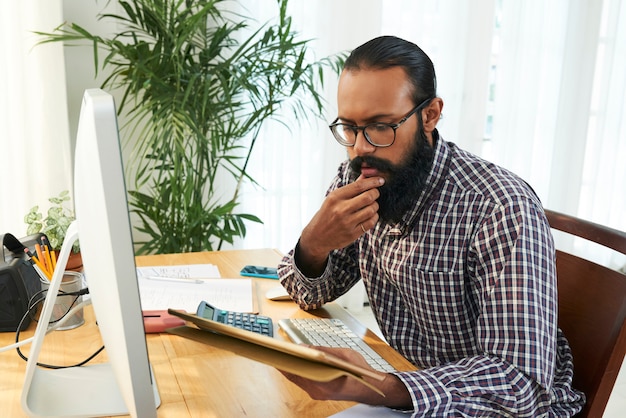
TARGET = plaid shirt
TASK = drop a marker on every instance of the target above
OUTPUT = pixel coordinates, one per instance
(465, 288)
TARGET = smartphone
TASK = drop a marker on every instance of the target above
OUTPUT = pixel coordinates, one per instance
(260, 271)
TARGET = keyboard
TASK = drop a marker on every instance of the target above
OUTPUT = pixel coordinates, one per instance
(326, 332)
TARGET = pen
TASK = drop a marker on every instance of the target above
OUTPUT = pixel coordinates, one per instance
(175, 279)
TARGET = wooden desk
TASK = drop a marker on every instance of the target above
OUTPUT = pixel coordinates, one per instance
(196, 380)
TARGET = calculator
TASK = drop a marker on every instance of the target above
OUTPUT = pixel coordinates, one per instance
(250, 322)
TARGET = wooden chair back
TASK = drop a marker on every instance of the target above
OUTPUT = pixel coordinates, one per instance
(592, 311)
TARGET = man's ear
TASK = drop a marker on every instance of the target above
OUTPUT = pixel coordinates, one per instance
(431, 114)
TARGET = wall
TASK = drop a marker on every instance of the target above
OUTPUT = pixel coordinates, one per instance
(79, 64)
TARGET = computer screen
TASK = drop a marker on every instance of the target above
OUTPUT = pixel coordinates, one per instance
(125, 384)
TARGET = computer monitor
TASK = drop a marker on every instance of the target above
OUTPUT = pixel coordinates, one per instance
(125, 384)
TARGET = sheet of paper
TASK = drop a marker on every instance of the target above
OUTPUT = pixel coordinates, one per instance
(186, 271)
(229, 294)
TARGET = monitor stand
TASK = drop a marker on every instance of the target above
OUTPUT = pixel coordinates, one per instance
(86, 391)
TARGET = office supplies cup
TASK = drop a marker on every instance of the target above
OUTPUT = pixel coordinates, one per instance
(66, 299)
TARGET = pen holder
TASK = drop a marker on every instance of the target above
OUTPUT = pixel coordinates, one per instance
(66, 299)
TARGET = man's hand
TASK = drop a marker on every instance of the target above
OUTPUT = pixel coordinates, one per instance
(345, 215)
(349, 389)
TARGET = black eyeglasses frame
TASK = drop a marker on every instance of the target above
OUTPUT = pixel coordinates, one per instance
(355, 128)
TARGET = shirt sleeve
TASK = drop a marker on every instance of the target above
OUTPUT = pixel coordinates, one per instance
(513, 274)
(341, 272)
(309, 293)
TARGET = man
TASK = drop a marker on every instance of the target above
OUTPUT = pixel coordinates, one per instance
(455, 253)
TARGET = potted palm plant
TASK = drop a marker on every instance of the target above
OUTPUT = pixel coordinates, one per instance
(197, 84)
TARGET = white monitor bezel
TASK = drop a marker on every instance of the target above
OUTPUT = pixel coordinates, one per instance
(124, 385)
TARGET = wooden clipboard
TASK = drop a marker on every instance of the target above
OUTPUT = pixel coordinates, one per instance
(283, 355)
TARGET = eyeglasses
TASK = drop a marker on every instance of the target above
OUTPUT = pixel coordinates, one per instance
(379, 134)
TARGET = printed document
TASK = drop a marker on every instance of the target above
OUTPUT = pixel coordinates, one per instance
(185, 286)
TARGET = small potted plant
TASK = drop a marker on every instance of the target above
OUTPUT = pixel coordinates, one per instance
(55, 225)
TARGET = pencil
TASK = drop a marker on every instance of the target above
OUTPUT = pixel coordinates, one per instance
(40, 256)
(41, 273)
(51, 257)
(42, 268)
(54, 259)
(46, 254)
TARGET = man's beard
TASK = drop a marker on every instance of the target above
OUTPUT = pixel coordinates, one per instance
(404, 182)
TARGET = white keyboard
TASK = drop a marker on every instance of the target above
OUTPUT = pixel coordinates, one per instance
(326, 332)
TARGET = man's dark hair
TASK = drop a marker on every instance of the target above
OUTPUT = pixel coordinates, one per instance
(390, 51)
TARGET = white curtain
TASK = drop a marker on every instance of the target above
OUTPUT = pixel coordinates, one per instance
(34, 135)
(537, 87)
(558, 107)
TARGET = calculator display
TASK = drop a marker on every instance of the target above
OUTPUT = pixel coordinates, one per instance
(207, 312)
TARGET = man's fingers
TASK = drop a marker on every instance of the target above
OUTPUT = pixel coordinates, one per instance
(362, 185)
